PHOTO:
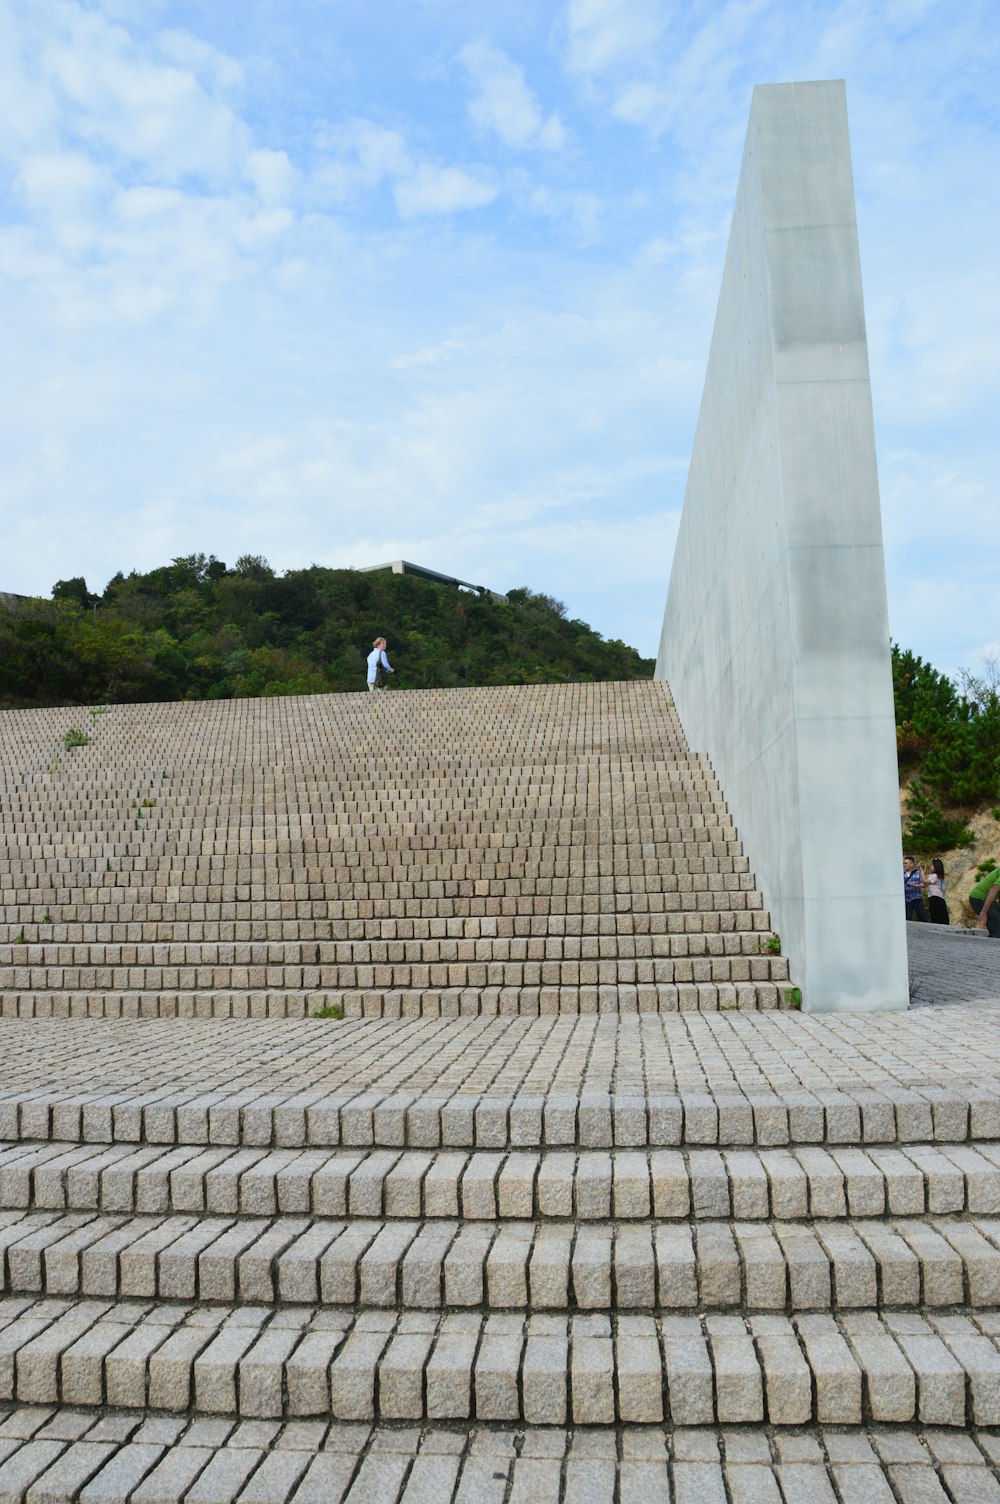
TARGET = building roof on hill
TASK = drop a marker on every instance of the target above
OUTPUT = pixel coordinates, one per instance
(403, 566)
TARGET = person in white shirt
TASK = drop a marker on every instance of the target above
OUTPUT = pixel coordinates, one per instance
(936, 891)
(376, 661)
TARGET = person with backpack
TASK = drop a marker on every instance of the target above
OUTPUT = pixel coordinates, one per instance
(378, 664)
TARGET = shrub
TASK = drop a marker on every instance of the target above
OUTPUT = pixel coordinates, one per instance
(927, 826)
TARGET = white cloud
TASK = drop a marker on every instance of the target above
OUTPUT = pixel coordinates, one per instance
(155, 115)
(193, 53)
(430, 355)
(644, 103)
(273, 176)
(66, 191)
(361, 154)
(441, 190)
(604, 33)
(504, 103)
(584, 210)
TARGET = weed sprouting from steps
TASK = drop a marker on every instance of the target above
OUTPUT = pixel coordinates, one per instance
(148, 804)
(46, 918)
(773, 945)
(95, 710)
(74, 737)
(792, 997)
(329, 1010)
(20, 938)
(55, 766)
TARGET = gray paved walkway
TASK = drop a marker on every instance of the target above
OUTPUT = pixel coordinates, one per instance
(949, 965)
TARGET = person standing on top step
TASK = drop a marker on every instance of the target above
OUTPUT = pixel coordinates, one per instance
(913, 885)
(377, 661)
(935, 893)
(985, 899)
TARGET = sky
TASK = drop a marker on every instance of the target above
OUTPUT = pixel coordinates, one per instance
(345, 281)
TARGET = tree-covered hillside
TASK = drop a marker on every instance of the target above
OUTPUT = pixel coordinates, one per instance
(948, 746)
(198, 630)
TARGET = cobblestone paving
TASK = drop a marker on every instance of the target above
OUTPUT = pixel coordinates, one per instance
(71, 1454)
(749, 1054)
(951, 965)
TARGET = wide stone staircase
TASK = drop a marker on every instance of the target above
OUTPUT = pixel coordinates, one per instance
(567, 1206)
(489, 851)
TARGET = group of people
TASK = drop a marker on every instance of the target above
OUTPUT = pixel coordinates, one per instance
(984, 898)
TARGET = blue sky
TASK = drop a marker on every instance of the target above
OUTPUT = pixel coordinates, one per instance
(339, 281)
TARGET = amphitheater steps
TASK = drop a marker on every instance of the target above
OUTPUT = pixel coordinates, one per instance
(566, 810)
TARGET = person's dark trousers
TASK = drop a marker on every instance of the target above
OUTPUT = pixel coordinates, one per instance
(992, 918)
(915, 909)
(939, 910)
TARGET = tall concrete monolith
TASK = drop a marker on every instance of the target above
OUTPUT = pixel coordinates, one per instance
(775, 634)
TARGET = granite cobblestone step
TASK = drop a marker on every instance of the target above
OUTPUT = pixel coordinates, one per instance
(49, 974)
(462, 1120)
(470, 1001)
(161, 841)
(664, 893)
(61, 1455)
(298, 1362)
(163, 835)
(456, 940)
(646, 913)
(682, 934)
(257, 846)
(764, 1185)
(925, 1116)
(442, 1263)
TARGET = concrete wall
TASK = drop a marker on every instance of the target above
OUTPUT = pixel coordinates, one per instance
(775, 635)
